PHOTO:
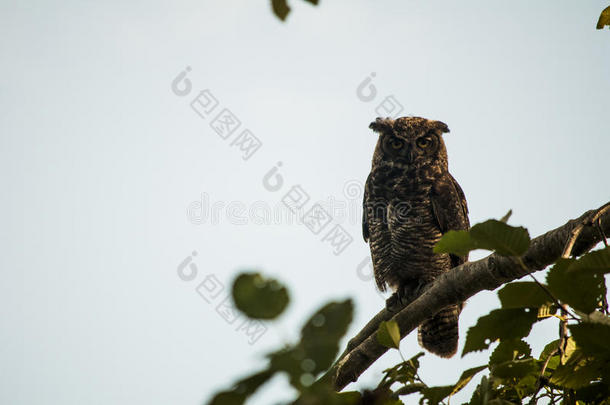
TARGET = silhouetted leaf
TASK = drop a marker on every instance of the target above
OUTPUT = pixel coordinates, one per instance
(483, 394)
(323, 394)
(456, 242)
(592, 338)
(504, 239)
(509, 350)
(258, 297)
(290, 360)
(318, 346)
(526, 385)
(594, 393)
(280, 8)
(515, 368)
(388, 334)
(604, 19)
(523, 294)
(434, 395)
(492, 234)
(506, 324)
(580, 289)
(242, 389)
(466, 377)
(402, 372)
(548, 349)
(597, 261)
(322, 332)
(578, 371)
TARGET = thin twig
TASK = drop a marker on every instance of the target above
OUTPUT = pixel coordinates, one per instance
(542, 286)
(541, 376)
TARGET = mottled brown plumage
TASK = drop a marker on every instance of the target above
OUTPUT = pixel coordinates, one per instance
(410, 201)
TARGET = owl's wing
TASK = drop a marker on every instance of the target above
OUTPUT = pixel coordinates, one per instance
(375, 231)
(450, 209)
(365, 220)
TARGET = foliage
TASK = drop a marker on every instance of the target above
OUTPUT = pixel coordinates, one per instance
(604, 18)
(281, 9)
(575, 368)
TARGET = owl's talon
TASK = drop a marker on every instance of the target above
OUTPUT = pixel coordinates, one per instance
(392, 303)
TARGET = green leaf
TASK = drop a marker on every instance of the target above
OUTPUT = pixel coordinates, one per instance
(506, 240)
(323, 393)
(242, 389)
(434, 395)
(526, 385)
(592, 338)
(410, 389)
(403, 372)
(483, 394)
(280, 9)
(492, 234)
(594, 393)
(578, 371)
(318, 346)
(548, 349)
(456, 242)
(258, 297)
(597, 261)
(515, 368)
(466, 377)
(505, 324)
(290, 360)
(388, 334)
(604, 19)
(321, 334)
(523, 294)
(580, 289)
(509, 350)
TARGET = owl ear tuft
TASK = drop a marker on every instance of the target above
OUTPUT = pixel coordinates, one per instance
(382, 125)
(441, 126)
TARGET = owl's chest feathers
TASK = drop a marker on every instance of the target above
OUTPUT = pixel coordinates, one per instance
(394, 185)
(409, 218)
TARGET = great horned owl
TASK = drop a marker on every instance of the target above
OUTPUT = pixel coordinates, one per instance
(410, 201)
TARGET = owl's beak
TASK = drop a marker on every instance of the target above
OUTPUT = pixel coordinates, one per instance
(410, 154)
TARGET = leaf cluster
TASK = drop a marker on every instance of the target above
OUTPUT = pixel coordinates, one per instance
(575, 368)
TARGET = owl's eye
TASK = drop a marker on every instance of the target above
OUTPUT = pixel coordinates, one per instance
(423, 142)
(396, 144)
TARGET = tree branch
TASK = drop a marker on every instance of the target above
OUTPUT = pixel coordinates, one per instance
(464, 281)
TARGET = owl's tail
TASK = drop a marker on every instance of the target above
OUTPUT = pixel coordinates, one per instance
(439, 334)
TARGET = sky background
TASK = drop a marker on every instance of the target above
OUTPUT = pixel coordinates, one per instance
(103, 167)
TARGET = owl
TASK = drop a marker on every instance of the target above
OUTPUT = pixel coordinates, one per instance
(410, 201)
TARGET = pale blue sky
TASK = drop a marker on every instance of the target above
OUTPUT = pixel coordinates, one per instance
(100, 161)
